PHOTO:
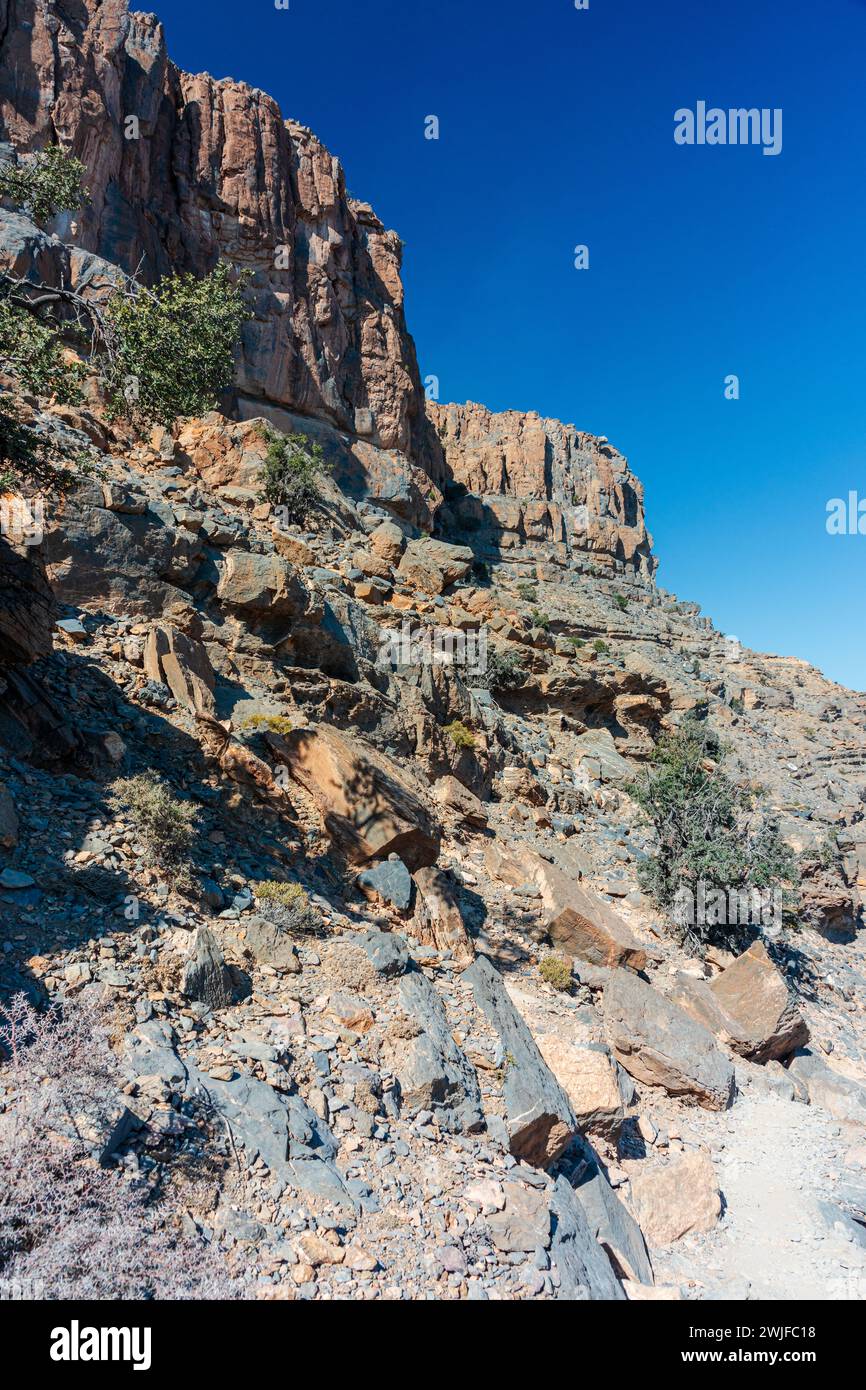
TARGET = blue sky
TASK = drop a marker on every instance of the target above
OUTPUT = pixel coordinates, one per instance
(556, 129)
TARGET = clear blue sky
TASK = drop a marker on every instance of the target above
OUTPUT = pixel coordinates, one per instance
(557, 130)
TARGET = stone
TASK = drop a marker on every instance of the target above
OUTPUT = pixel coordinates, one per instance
(387, 952)
(438, 920)
(8, 819)
(368, 807)
(434, 1074)
(523, 1223)
(387, 541)
(261, 585)
(611, 1222)
(585, 1273)
(539, 1119)
(432, 565)
(841, 1096)
(659, 1044)
(464, 804)
(676, 1199)
(268, 945)
(599, 1090)
(205, 976)
(389, 882)
(756, 996)
(183, 664)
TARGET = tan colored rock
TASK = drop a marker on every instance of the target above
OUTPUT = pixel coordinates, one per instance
(372, 565)
(672, 1201)
(293, 549)
(388, 542)
(183, 664)
(432, 565)
(577, 922)
(368, 807)
(749, 1007)
(598, 1088)
(438, 919)
(261, 584)
(464, 804)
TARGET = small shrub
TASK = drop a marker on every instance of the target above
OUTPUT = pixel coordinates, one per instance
(172, 347)
(575, 642)
(292, 474)
(621, 602)
(70, 1228)
(276, 723)
(541, 620)
(459, 735)
(165, 825)
(600, 646)
(505, 670)
(527, 592)
(44, 184)
(556, 971)
(286, 905)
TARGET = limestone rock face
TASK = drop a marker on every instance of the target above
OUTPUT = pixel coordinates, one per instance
(537, 480)
(217, 173)
(661, 1045)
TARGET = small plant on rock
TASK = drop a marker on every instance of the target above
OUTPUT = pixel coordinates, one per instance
(556, 972)
(621, 602)
(541, 620)
(286, 905)
(505, 670)
(165, 825)
(45, 183)
(274, 723)
(292, 474)
(601, 647)
(460, 735)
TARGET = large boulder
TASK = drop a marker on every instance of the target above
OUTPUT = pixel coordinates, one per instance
(432, 565)
(368, 807)
(265, 585)
(438, 920)
(585, 1272)
(598, 1088)
(432, 1071)
(538, 1114)
(748, 1006)
(580, 923)
(841, 1096)
(674, 1200)
(659, 1044)
(611, 1222)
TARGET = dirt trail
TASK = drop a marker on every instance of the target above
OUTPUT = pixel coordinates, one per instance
(777, 1162)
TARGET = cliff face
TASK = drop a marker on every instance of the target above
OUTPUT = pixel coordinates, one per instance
(184, 170)
(532, 480)
(217, 172)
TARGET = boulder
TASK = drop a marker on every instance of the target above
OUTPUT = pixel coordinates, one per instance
(388, 883)
(432, 1071)
(841, 1096)
(581, 924)
(659, 1044)
(387, 541)
(432, 565)
(538, 1114)
(368, 807)
(438, 920)
(585, 1272)
(464, 804)
(524, 1222)
(595, 1083)
(266, 944)
(748, 1006)
(611, 1222)
(183, 664)
(206, 976)
(261, 584)
(672, 1201)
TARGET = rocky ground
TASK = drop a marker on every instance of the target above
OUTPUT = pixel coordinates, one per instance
(344, 1021)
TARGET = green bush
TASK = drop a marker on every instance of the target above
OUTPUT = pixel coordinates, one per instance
(505, 670)
(706, 830)
(172, 347)
(621, 602)
(540, 620)
(600, 646)
(44, 184)
(165, 825)
(292, 474)
(460, 735)
(286, 905)
(527, 592)
(30, 457)
(556, 971)
(32, 350)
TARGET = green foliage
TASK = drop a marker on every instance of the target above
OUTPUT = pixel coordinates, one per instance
(173, 346)
(575, 642)
(505, 670)
(705, 827)
(32, 351)
(621, 602)
(286, 905)
(44, 184)
(28, 457)
(275, 723)
(460, 735)
(527, 592)
(556, 971)
(540, 620)
(600, 646)
(292, 474)
(165, 825)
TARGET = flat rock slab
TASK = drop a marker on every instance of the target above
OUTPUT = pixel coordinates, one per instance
(611, 1222)
(841, 1096)
(585, 1272)
(659, 1044)
(672, 1201)
(434, 1074)
(599, 1089)
(539, 1118)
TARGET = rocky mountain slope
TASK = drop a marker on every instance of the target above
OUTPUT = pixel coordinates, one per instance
(355, 983)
